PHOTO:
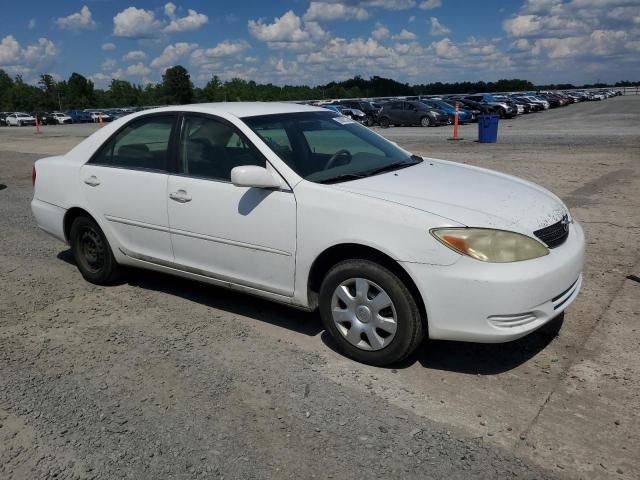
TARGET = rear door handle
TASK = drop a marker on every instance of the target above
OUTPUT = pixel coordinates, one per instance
(180, 196)
(92, 181)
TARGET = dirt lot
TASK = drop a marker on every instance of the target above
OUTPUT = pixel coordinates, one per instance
(165, 378)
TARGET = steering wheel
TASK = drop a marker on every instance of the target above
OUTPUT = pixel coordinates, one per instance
(335, 156)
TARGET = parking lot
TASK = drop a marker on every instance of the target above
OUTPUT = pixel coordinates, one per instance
(164, 378)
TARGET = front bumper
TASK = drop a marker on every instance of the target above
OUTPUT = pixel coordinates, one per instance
(498, 302)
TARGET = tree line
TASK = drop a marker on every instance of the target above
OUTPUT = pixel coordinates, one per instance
(176, 87)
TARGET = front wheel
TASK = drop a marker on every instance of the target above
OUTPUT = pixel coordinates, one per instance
(425, 121)
(92, 252)
(384, 122)
(370, 312)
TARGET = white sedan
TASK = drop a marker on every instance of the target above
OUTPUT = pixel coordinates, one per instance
(61, 118)
(306, 207)
(19, 119)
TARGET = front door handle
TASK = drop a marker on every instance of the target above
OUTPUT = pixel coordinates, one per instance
(92, 181)
(180, 196)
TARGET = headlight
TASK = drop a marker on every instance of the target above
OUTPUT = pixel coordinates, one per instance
(487, 245)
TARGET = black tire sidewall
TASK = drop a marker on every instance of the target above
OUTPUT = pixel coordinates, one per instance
(384, 122)
(408, 315)
(109, 271)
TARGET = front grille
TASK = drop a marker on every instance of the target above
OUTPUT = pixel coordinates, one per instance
(556, 234)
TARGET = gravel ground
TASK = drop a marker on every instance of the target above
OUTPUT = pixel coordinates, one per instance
(165, 378)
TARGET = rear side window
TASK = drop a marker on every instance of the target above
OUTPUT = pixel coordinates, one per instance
(142, 144)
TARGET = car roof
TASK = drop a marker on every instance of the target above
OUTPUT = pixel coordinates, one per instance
(241, 109)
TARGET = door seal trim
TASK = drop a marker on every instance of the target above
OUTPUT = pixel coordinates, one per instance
(200, 236)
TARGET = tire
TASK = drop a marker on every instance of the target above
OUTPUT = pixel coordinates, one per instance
(384, 122)
(370, 121)
(92, 252)
(354, 328)
(20, 124)
(425, 121)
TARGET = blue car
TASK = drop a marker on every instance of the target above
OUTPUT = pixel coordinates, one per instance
(464, 116)
(79, 116)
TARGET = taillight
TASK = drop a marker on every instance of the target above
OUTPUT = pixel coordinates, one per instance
(33, 176)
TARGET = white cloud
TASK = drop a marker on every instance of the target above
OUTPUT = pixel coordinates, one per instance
(108, 46)
(138, 70)
(31, 59)
(134, 55)
(430, 4)
(192, 21)
(405, 35)
(287, 32)
(32, 24)
(173, 53)
(381, 32)
(135, 22)
(81, 20)
(287, 28)
(445, 48)
(437, 28)
(226, 48)
(320, 11)
(412, 19)
(108, 65)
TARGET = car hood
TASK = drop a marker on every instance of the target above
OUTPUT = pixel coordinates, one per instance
(465, 195)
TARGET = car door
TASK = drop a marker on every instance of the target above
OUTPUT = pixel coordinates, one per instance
(125, 184)
(410, 114)
(395, 112)
(246, 236)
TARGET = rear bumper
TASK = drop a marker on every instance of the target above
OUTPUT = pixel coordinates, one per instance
(49, 218)
(492, 302)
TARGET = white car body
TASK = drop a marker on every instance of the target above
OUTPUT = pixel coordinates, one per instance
(19, 119)
(61, 118)
(265, 242)
(97, 116)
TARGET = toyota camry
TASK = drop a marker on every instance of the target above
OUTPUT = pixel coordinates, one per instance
(306, 207)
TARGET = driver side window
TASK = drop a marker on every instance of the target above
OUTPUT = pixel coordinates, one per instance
(210, 148)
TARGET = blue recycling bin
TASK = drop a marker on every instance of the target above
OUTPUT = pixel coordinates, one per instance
(488, 128)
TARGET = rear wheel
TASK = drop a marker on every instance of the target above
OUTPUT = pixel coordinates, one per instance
(92, 252)
(425, 121)
(370, 312)
(384, 122)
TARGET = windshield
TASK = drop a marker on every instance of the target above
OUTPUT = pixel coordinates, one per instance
(325, 148)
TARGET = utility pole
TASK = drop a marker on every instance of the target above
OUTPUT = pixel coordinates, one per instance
(59, 103)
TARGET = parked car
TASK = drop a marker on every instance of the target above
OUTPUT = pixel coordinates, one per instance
(79, 116)
(19, 119)
(464, 116)
(411, 113)
(315, 210)
(43, 118)
(60, 118)
(503, 109)
(369, 109)
(100, 116)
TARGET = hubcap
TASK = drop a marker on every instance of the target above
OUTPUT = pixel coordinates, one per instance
(91, 250)
(364, 314)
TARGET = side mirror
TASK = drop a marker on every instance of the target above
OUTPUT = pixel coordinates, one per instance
(254, 176)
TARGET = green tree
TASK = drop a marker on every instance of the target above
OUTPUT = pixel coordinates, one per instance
(177, 86)
(80, 92)
(6, 85)
(123, 94)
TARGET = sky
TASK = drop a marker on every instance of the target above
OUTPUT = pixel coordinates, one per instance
(313, 42)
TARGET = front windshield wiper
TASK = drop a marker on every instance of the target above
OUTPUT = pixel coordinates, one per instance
(413, 160)
(341, 178)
